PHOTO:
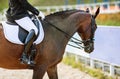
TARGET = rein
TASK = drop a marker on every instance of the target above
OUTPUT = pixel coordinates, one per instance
(73, 39)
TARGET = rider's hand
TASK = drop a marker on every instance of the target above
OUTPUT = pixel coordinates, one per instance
(36, 12)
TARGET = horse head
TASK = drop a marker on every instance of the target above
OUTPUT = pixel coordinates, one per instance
(87, 29)
(68, 22)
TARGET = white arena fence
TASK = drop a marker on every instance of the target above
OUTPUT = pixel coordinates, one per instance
(105, 7)
(106, 67)
(106, 55)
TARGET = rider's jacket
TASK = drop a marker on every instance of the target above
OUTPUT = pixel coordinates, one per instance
(19, 9)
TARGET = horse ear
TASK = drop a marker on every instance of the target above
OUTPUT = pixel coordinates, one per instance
(97, 12)
(87, 10)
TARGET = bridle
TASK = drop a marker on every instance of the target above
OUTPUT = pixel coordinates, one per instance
(75, 40)
(91, 39)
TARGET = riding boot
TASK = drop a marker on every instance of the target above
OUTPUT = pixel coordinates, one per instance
(28, 43)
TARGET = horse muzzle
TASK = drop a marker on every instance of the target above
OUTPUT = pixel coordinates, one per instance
(89, 48)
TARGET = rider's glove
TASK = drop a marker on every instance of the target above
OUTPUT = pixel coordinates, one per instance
(36, 12)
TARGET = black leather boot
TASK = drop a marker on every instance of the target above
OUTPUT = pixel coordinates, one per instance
(28, 43)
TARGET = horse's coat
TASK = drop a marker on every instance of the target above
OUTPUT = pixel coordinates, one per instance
(50, 51)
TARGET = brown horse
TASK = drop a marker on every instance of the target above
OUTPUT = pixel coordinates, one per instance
(59, 28)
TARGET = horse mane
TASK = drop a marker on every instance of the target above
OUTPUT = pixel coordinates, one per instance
(65, 13)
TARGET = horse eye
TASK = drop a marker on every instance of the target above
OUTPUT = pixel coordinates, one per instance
(95, 26)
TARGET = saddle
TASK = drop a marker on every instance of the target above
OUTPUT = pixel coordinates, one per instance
(16, 34)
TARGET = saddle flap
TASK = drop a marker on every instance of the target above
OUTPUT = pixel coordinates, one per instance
(13, 33)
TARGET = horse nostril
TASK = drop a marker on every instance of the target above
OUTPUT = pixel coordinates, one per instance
(89, 48)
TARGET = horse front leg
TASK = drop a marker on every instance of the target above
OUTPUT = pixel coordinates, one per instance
(52, 72)
(38, 72)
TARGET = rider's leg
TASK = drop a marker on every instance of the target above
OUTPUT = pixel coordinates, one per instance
(28, 43)
(28, 25)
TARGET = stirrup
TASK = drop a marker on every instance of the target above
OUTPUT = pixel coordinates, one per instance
(32, 55)
(31, 62)
(24, 59)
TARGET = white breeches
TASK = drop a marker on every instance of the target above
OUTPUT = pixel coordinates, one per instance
(27, 24)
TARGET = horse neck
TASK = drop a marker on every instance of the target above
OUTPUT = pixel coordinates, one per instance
(67, 25)
(73, 22)
(54, 35)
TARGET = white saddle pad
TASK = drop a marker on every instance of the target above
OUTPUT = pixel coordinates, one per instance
(11, 33)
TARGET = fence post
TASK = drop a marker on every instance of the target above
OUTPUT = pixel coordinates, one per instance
(112, 70)
(116, 7)
(92, 63)
(66, 2)
(76, 59)
(103, 69)
(48, 10)
(56, 9)
(86, 61)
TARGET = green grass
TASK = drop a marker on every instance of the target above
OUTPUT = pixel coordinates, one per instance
(109, 19)
(97, 73)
